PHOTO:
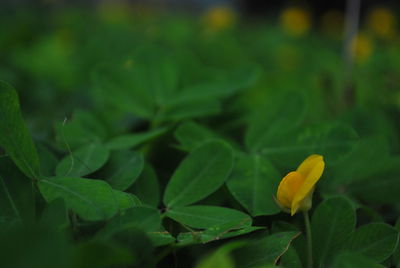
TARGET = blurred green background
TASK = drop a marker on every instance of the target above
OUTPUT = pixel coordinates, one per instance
(53, 51)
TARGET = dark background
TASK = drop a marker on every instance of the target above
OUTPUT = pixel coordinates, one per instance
(246, 7)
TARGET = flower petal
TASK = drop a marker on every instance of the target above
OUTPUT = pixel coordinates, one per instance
(288, 188)
(307, 188)
(308, 164)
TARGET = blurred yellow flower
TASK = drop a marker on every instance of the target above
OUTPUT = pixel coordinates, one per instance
(296, 188)
(296, 21)
(382, 22)
(219, 18)
(361, 47)
(114, 13)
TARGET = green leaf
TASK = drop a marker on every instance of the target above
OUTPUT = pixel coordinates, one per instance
(227, 230)
(122, 169)
(264, 251)
(201, 99)
(201, 173)
(332, 140)
(147, 187)
(129, 141)
(280, 115)
(14, 135)
(129, 90)
(244, 76)
(376, 241)
(332, 224)
(291, 259)
(144, 218)
(221, 257)
(8, 206)
(161, 238)
(369, 150)
(190, 135)
(17, 200)
(90, 199)
(162, 75)
(254, 182)
(193, 109)
(48, 161)
(207, 216)
(381, 188)
(347, 260)
(215, 233)
(396, 253)
(83, 161)
(82, 129)
(217, 260)
(203, 91)
(126, 200)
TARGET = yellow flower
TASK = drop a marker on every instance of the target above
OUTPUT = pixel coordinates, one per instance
(114, 13)
(296, 188)
(382, 22)
(362, 47)
(219, 18)
(296, 21)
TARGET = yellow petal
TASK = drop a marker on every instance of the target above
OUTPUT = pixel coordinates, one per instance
(288, 188)
(219, 17)
(308, 164)
(296, 21)
(315, 170)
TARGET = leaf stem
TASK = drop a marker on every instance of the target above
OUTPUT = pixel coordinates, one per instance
(74, 221)
(309, 239)
(33, 184)
(10, 199)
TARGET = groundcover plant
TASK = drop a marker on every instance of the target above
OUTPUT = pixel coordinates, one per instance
(144, 139)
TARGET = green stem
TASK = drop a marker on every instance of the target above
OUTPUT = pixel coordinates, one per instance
(309, 239)
(10, 199)
(34, 197)
(74, 221)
